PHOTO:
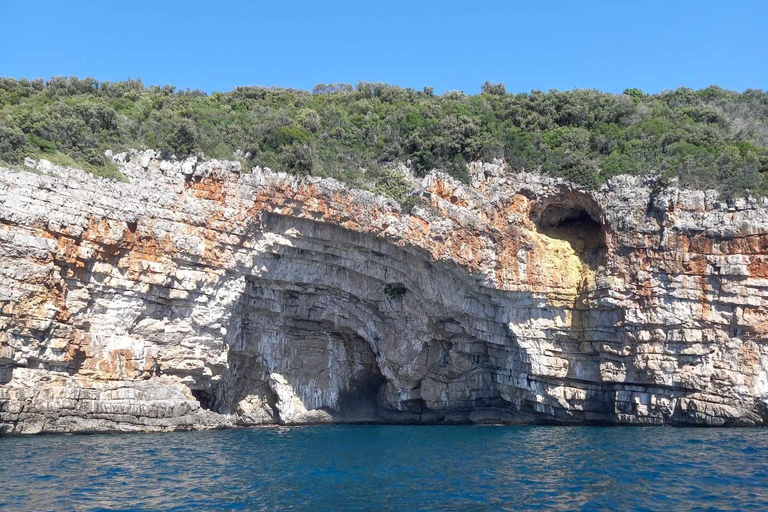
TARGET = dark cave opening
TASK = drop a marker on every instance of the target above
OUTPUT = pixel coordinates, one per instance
(205, 398)
(6, 374)
(573, 222)
(395, 290)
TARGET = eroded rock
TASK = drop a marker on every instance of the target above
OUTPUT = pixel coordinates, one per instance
(199, 296)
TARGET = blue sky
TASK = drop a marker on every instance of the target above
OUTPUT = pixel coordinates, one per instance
(215, 46)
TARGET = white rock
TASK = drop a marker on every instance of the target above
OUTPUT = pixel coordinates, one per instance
(169, 303)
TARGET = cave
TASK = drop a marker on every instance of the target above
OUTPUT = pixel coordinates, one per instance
(307, 337)
(574, 219)
(205, 398)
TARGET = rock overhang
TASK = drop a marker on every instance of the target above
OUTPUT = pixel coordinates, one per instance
(197, 295)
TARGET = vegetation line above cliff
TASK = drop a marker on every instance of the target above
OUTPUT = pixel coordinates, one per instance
(711, 138)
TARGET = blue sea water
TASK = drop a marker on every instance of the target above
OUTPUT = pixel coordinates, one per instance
(367, 467)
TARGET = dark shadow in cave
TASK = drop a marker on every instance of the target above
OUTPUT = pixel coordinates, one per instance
(6, 374)
(206, 399)
(572, 222)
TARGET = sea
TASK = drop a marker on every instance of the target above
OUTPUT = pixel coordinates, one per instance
(381, 467)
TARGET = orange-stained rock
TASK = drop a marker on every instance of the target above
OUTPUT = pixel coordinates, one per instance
(200, 296)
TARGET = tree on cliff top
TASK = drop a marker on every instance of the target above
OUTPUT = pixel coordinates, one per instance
(706, 138)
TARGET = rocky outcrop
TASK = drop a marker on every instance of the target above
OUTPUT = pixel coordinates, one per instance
(200, 296)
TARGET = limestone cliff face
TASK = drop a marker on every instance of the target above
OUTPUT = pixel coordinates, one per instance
(197, 296)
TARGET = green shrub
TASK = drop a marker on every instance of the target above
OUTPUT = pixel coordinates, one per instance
(12, 142)
(393, 184)
(183, 139)
(496, 89)
(705, 138)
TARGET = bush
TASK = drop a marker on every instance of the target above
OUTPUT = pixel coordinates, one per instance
(183, 139)
(12, 142)
(393, 184)
(711, 137)
(495, 89)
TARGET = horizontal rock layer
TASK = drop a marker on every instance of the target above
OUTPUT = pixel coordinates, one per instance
(200, 296)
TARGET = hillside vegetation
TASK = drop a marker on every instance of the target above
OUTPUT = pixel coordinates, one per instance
(706, 138)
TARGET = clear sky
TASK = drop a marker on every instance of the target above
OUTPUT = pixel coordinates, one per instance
(535, 44)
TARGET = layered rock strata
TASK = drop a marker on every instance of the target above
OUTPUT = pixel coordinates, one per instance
(199, 296)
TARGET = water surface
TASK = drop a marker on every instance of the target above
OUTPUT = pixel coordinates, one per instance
(391, 468)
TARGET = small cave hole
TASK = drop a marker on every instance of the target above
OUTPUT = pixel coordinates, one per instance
(395, 290)
(574, 224)
(205, 398)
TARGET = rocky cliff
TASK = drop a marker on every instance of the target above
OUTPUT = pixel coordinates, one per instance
(200, 296)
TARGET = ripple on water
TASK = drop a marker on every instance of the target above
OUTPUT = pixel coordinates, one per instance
(391, 468)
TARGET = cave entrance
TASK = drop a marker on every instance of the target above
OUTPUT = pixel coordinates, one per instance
(297, 354)
(205, 398)
(574, 222)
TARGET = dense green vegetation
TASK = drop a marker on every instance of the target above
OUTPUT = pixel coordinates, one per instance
(706, 138)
